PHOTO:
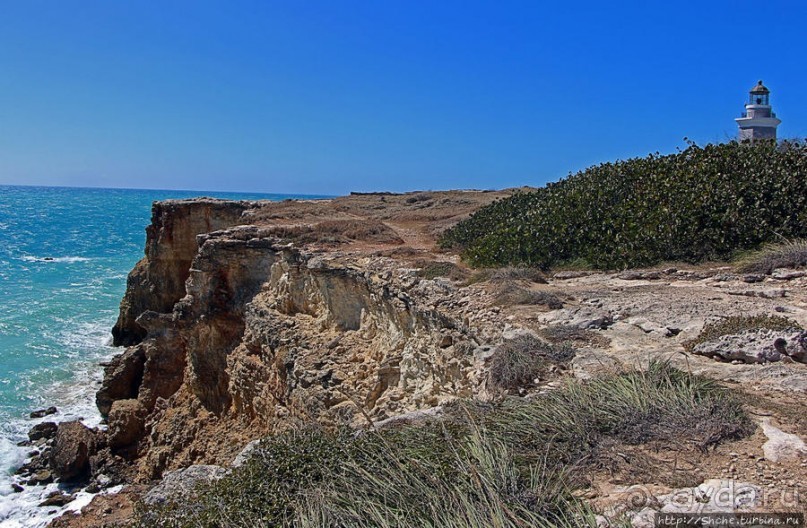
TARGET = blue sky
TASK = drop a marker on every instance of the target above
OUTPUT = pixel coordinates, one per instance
(332, 96)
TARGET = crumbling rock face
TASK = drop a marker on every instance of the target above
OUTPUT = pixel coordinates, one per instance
(158, 281)
(267, 335)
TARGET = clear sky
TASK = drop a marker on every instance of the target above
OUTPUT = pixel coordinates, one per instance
(331, 96)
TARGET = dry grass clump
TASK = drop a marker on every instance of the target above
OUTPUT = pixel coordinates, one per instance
(792, 254)
(573, 334)
(514, 273)
(364, 230)
(418, 198)
(511, 464)
(512, 294)
(432, 270)
(740, 323)
(339, 232)
(519, 361)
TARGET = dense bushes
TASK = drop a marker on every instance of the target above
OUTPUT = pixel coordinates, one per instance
(503, 464)
(700, 203)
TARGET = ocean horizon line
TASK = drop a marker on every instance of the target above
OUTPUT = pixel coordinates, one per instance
(94, 188)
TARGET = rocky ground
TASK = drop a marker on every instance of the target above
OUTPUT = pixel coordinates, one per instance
(246, 318)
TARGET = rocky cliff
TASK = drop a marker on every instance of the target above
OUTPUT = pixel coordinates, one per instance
(236, 331)
(158, 281)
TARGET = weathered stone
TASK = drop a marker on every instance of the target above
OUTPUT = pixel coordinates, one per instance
(787, 274)
(57, 498)
(566, 275)
(126, 423)
(639, 275)
(781, 446)
(44, 430)
(40, 477)
(246, 453)
(177, 484)
(158, 281)
(757, 346)
(72, 447)
(122, 378)
(41, 413)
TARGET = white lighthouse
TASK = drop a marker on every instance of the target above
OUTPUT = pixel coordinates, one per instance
(758, 120)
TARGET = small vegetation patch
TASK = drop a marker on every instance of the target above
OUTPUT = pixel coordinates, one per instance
(512, 294)
(503, 464)
(339, 232)
(432, 270)
(740, 323)
(519, 361)
(784, 255)
(418, 198)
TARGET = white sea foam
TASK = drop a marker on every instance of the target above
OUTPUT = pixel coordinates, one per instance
(68, 260)
(74, 399)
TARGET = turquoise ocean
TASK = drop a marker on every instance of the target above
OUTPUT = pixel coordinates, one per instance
(64, 257)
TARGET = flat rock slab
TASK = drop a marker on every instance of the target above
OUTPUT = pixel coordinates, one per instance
(781, 445)
(757, 346)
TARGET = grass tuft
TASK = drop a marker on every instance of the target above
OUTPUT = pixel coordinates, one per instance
(432, 270)
(512, 294)
(791, 254)
(518, 361)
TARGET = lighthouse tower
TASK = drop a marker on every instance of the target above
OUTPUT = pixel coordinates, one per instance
(758, 121)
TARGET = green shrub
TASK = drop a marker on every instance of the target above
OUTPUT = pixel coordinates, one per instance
(698, 204)
(791, 254)
(262, 492)
(432, 270)
(740, 323)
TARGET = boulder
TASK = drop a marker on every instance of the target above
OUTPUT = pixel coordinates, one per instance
(41, 413)
(126, 423)
(122, 377)
(45, 430)
(57, 498)
(73, 445)
(41, 477)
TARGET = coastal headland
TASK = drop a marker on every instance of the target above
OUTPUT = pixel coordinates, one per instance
(246, 319)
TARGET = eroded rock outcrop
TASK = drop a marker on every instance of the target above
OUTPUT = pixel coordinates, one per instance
(158, 281)
(267, 335)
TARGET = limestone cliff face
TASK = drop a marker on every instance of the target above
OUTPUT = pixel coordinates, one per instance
(266, 335)
(158, 281)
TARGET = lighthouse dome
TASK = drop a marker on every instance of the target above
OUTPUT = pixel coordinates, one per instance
(760, 89)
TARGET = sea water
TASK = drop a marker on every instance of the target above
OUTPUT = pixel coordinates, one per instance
(64, 257)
